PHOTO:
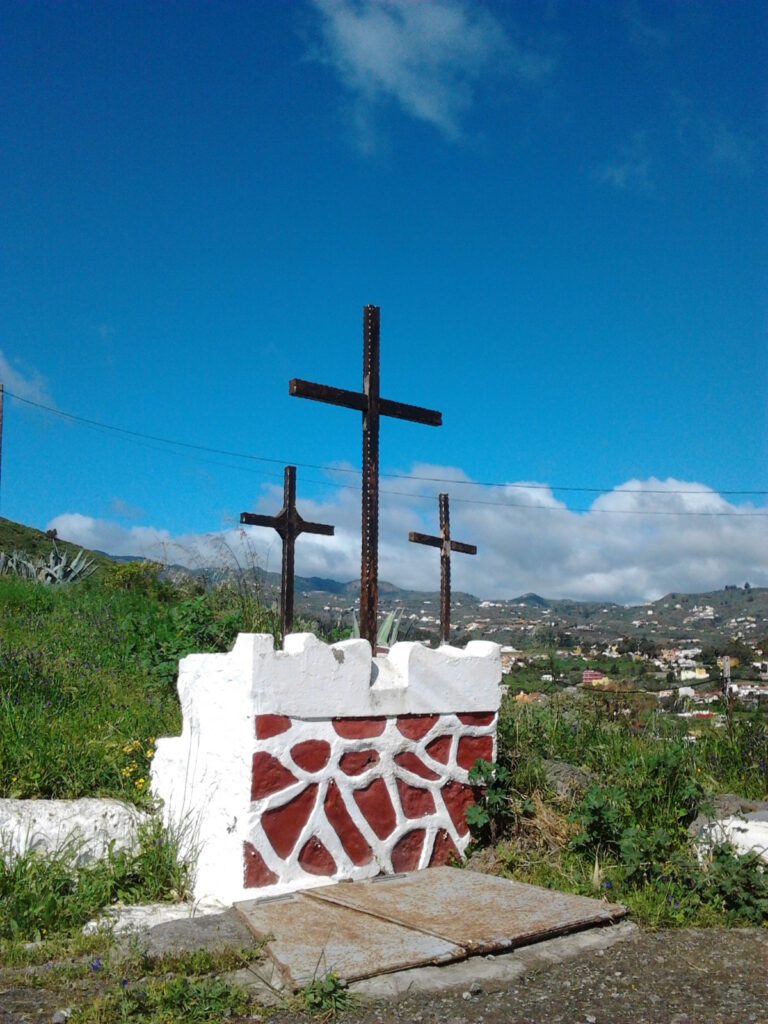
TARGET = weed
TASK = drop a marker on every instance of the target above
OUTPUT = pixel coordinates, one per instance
(88, 672)
(326, 995)
(648, 785)
(494, 810)
(41, 895)
(156, 1001)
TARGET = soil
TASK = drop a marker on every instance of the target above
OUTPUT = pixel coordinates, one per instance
(687, 976)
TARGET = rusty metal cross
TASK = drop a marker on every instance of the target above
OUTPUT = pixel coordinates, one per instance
(289, 525)
(446, 546)
(372, 406)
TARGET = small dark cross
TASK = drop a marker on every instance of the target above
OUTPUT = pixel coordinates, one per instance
(289, 525)
(446, 546)
(372, 407)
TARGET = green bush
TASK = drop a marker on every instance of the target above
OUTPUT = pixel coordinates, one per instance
(88, 676)
(43, 894)
(159, 1001)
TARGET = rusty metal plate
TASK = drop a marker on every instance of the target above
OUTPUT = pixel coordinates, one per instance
(482, 913)
(310, 938)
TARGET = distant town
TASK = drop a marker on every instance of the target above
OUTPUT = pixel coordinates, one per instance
(682, 645)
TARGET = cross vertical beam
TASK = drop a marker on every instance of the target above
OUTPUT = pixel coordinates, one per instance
(372, 406)
(369, 548)
(289, 525)
(446, 546)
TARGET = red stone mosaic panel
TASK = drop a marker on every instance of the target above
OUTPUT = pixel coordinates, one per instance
(268, 776)
(415, 802)
(359, 728)
(283, 825)
(338, 819)
(411, 763)
(415, 727)
(440, 749)
(407, 851)
(352, 839)
(315, 859)
(355, 762)
(311, 755)
(271, 725)
(256, 872)
(477, 719)
(375, 803)
(444, 851)
(473, 747)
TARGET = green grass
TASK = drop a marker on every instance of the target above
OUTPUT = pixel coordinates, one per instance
(625, 836)
(43, 895)
(35, 543)
(88, 677)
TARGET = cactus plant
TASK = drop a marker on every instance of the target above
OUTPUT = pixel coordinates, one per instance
(387, 632)
(60, 567)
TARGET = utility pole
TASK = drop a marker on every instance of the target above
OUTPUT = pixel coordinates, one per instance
(1, 434)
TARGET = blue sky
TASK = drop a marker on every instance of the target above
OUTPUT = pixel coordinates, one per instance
(559, 207)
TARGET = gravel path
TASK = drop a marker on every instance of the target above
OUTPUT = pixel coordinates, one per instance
(688, 976)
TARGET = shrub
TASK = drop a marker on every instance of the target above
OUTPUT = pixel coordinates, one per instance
(43, 894)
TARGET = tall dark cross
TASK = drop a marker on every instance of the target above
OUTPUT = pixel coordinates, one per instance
(372, 406)
(446, 546)
(289, 525)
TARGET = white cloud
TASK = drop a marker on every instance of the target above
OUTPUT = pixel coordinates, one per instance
(114, 539)
(711, 140)
(428, 57)
(642, 30)
(23, 382)
(631, 544)
(125, 510)
(729, 150)
(631, 172)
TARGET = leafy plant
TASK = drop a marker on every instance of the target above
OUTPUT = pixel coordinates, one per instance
(175, 998)
(326, 995)
(493, 811)
(737, 886)
(41, 894)
(642, 815)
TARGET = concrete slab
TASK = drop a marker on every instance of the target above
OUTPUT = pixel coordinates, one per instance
(398, 923)
(480, 913)
(494, 973)
(309, 938)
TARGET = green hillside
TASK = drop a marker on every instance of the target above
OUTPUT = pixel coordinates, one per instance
(36, 543)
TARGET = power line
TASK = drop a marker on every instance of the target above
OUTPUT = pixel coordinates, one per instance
(97, 424)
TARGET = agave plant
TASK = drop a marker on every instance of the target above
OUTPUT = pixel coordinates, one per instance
(60, 567)
(387, 632)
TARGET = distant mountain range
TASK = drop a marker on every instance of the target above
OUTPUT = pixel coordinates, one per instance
(733, 611)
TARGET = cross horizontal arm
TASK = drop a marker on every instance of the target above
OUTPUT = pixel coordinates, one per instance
(281, 520)
(252, 519)
(306, 527)
(412, 413)
(437, 542)
(423, 538)
(464, 549)
(324, 393)
(357, 400)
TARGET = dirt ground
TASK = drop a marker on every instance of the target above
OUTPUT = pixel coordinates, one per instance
(679, 977)
(689, 976)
